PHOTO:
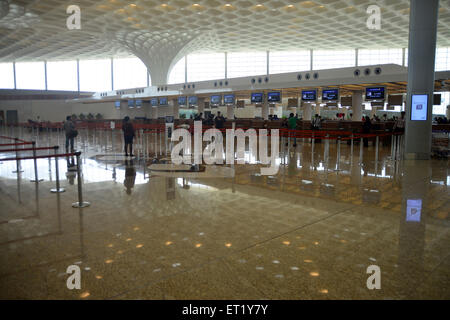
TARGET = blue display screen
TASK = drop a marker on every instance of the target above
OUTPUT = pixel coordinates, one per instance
(274, 96)
(309, 95)
(229, 98)
(154, 102)
(182, 101)
(130, 103)
(257, 97)
(193, 101)
(163, 102)
(215, 100)
(375, 93)
(330, 94)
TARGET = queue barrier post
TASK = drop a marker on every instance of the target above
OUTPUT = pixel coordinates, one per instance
(18, 164)
(80, 203)
(58, 189)
(36, 178)
(361, 142)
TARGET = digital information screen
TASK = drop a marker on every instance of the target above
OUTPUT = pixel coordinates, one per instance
(274, 96)
(138, 103)
(375, 93)
(309, 95)
(257, 97)
(330, 94)
(419, 107)
(130, 103)
(154, 102)
(193, 101)
(163, 102)
(117, 104)
(215, 100)
(413, 210)
(182, 101)
(229, 99)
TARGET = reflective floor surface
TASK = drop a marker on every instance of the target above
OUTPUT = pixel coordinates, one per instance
(308, 232)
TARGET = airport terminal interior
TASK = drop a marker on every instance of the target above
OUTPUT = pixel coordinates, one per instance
(281, 150)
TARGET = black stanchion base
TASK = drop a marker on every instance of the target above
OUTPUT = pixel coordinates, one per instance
(60, 190)
(40, 180)
(83, 204)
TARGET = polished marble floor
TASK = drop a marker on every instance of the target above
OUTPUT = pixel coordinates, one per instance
(308, 232)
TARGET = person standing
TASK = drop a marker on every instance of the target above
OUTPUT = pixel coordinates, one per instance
(71, 133)
(292, 125)
(367, 127)
(128, 135)
(399, 125)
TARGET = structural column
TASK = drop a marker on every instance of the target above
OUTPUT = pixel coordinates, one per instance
(201, 106)
(317, 109)
(307, 111)
(176, 109)
(357, 105)
(230, 112)
(155, 112)
(265, 111)
(423, 21)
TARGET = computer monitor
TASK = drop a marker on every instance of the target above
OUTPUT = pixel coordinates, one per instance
(330, 94)
(257, 97)
(274, 96)
(375, 93)
(193, 100)
(163, 101)
(419, 107)
(309, 95)
(182, 101)
(229, 99)
(154, 102)
(215, 100)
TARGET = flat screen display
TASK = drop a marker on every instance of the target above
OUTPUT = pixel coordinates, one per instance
(163, 102)
(182, 101)
(117, 104)
(229, 99)
(154, 102)
(215, 100)
(309, 95)
(330, 94)
(274, 96)
(130, 103)
(419, 107)
(257, 97)
(413, 210)
(138, 103)
(193, 100)
(375, 93)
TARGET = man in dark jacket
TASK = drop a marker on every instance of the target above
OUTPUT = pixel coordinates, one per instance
(128, 135)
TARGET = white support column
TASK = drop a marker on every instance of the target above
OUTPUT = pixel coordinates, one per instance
(176, 109)
(230, 112)
(265, 110)
(357, 105)
(307, 111)
(317, 109)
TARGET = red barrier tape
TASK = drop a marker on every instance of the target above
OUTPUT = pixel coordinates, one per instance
(29, 149)
(40, 157)
(15, 144)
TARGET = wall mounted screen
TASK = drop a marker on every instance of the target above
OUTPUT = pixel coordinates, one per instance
(229, 99)
(163, 101)
(130, 104)
(182, 101)
(193, 100)
(154, 102)
(419, 107)
(138, 103)
(274, 96)
(309, 95)
(117, 104)
(257, 97)
(413, 210)
(375, 93)
(330, 94)
(215, 100)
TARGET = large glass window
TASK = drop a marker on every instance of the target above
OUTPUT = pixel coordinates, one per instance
(244, 64)
(95, 75)
(289, 61)
(205, 66)
(7, 76)
(379, 56)
(442, 59)
(30, 75)
(177, 74)
(62, 75)
(129, 73)
(329, 59)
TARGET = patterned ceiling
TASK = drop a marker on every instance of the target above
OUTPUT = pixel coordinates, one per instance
(159, 32)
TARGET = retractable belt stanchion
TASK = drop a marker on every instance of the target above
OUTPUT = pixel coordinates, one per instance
(377, 141)
(338, 154)
(361, 151)
(392, 147)
(351, 148)
(80, 203)
(57, 189)
(18, 164)
(36, 179)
